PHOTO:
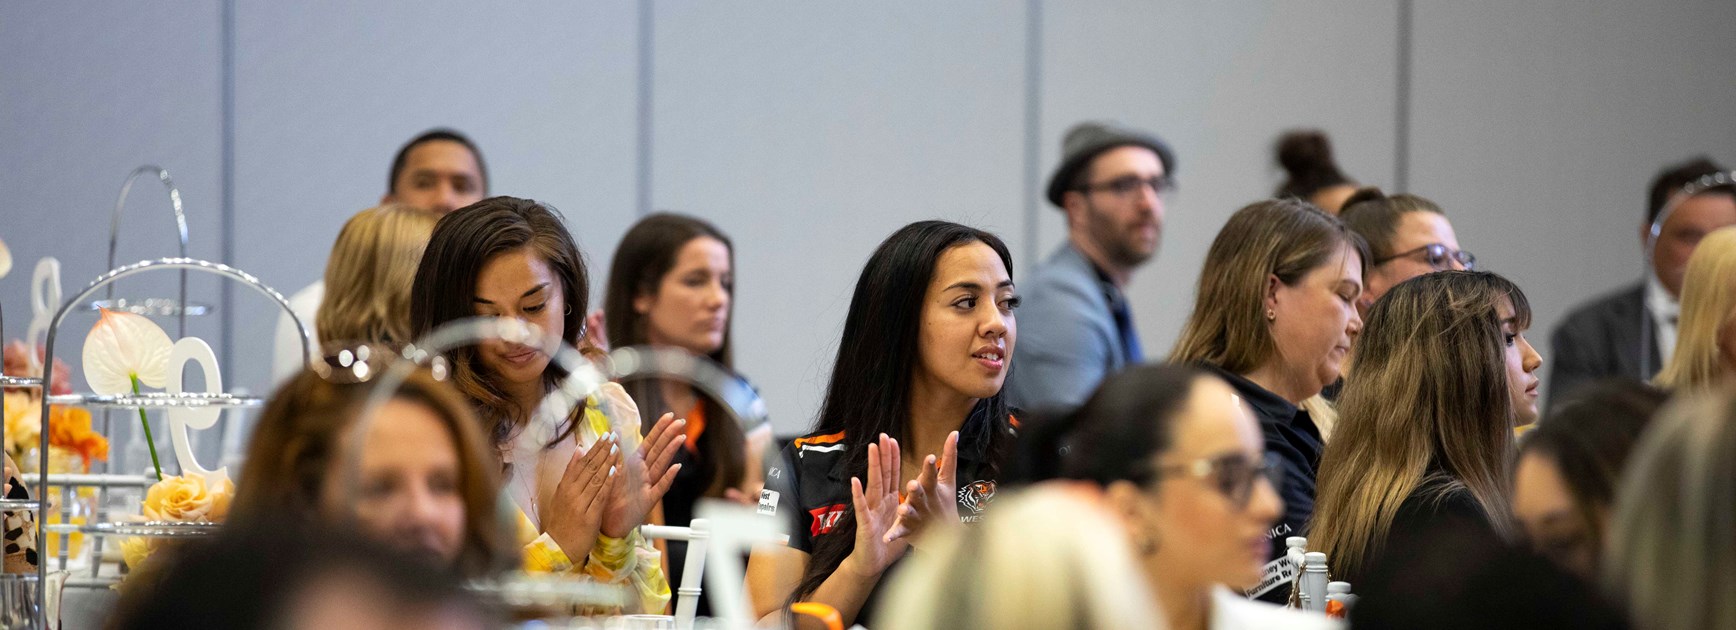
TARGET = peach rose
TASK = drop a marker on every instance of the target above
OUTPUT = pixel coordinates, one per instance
(188, 499)
(135, 550)
(23, 422)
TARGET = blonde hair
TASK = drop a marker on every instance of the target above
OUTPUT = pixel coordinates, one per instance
(1280, 237)
(1671, 544)
(1426, 411)
(1051, 557)
(1708, 308)
(368, 278)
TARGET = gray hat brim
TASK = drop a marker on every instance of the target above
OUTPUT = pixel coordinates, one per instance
(1062, 179)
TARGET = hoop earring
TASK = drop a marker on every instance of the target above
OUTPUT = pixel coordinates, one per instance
(569, 310)
(1271, 316)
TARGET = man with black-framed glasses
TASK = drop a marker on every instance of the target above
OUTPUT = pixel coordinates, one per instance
(1076, 325)
(1407, 236)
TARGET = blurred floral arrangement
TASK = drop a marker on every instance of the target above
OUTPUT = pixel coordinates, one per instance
(70, 435)
(186, 498)
(122, 354)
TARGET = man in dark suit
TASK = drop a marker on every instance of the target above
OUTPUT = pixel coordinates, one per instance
(1632, 332)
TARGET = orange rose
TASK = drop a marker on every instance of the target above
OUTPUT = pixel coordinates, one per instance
(69, 428)
(188, 499)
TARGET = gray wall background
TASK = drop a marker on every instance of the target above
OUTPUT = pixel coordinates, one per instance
(809, 131)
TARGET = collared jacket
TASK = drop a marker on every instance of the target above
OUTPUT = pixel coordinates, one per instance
(1068, 341)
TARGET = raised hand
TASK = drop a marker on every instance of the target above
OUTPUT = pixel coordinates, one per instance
(931, 498)
(650, 470)
(876, 507)
(575, 514)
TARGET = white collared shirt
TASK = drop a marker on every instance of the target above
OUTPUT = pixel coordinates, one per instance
(1664, 310)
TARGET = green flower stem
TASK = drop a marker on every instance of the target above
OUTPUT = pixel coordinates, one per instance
(149, 441)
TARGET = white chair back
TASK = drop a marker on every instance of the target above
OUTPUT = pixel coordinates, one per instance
(698, 539)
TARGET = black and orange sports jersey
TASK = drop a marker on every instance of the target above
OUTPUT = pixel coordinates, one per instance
(810, 487)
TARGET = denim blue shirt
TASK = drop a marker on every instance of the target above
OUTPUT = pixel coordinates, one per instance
(1068, 340)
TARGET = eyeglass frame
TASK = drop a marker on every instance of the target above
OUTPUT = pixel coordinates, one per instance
(1468, 259)
(1269, 468)
(1124, 187)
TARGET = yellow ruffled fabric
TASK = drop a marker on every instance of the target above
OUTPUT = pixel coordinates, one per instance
(631, 560)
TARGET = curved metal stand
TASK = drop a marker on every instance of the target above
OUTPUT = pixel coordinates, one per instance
(16, 382)
(161, 307)
(155, 400)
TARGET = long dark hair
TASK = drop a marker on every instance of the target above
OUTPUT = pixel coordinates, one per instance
(869, 392)
(445, 290)
(1590, 437)
(646, 254)
(1116, 435)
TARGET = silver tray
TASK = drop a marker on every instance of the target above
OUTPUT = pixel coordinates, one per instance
(151, 529)
(157, 400)
(21, 382)
(151, 307)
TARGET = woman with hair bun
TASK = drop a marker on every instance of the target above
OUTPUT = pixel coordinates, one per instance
(1312, 173)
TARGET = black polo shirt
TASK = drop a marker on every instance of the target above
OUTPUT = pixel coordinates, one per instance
(809, 487)
(1292, 437)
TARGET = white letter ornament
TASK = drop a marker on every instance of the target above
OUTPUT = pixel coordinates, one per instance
(183, 418)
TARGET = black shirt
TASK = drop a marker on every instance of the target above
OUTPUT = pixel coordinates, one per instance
(1429, 509)
(1291, 436)
(809, 486)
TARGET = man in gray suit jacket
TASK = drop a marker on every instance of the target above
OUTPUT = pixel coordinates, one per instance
(1075, 327)
(1632, 332)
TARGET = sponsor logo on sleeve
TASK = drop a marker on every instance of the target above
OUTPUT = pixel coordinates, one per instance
(768, 503)
(825, 519)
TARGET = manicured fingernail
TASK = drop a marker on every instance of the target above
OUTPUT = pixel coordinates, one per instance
(612, 450)
(611, 471)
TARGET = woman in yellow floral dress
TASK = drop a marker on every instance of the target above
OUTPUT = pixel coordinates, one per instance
(581, 505)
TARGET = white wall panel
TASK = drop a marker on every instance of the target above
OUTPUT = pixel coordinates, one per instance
(323, 102)
(810, 132)
(1219, 81)
(1539, 126)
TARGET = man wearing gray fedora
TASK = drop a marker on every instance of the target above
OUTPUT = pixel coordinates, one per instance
(1075, 327)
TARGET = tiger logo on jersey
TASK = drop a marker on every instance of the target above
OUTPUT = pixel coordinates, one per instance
(976, 496)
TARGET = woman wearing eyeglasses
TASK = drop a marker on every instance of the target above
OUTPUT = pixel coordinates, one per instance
(1407, 236)
(1183, 461)
(1440, 380)
(1274, 317)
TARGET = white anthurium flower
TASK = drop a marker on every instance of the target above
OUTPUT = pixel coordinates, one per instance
(123, 345)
